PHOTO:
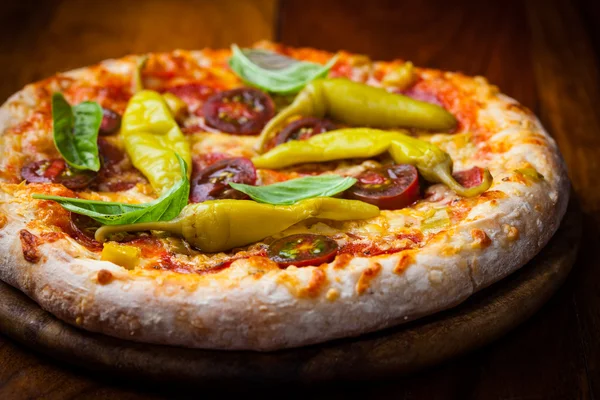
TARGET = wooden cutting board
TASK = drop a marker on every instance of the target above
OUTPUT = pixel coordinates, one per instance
(481, 319)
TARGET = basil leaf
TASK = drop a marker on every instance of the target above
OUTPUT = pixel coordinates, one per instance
(75, 131)
(165, 208)
(274, 72)
(294, 190)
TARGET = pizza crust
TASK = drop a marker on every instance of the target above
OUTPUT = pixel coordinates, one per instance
(274, 309)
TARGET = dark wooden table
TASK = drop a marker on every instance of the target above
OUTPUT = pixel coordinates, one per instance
(544, 53)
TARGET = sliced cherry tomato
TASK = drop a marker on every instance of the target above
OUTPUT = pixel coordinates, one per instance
(469, 177)
(212, 182)
(389, 188)
(243, 111)
(57, 171)
(303, 129)
(303, 250)
(111, 122)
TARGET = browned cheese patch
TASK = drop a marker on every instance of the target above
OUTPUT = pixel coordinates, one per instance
(367, 276)
(342, 260)
(260, 265)
(480, 239)
(3, 220)
(405, 260)
(29, 244)
(315, 284)
(313, 288)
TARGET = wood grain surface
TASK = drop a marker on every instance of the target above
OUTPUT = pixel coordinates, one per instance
(544, 53)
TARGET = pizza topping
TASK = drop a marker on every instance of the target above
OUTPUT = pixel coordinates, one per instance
(137, 81)
(303, 250)
(116, 173)
(303, 128)
(402, 77)
(439, 219)
(243, 111)
(177, 106)
(212, 182)
(56, 171)
(358, 104)
(470, 177)
(82, 229)
(221, 225)
(165, 208)
(390, 188)
(111, 122)
(29, 244)
(193, 94)
(127, 257)
(433, 163)
(154, 141)
(275, 72)
(75, 131)
(294, 190)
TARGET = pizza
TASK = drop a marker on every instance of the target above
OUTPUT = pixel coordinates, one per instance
(269, 197)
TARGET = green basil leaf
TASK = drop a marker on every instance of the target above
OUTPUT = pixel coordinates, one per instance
(75, 131)
(165, 208)
(294, 190)
(274, 72)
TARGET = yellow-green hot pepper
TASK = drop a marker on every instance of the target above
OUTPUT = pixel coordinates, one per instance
(152, 137)
(220, 225)
(358, 104)
(433, 163)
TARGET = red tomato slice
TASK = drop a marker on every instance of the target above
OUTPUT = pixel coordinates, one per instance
(57, 171)
(243, 111)
(212, 182)
(389, 188)
(303, 250)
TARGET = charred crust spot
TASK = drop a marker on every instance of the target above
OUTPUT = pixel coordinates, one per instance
(104, 277)
(404, 261)
(367, 276)
(480, 239)
(29, 244)
(342, 260)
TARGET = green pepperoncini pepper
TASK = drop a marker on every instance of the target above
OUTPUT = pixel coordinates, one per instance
(152, 137)
(220, 225)
(433, 163)
(358, 104)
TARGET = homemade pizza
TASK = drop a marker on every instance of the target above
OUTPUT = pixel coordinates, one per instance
(267, 197)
